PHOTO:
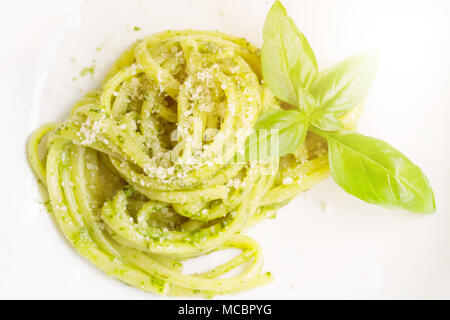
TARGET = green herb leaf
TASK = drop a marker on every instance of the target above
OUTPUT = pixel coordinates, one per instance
(306, 101)
(344, 85)
(288, 61)
(375, 172)
(317, 117)
(277, 132)
(326, 121)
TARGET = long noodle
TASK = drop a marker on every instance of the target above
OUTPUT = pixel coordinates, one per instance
(139, 177)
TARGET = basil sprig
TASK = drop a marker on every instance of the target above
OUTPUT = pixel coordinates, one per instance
(365, 167)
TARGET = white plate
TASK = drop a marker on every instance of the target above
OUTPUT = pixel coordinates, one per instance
(347, 250)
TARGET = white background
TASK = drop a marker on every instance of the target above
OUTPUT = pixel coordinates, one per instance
(325, 244)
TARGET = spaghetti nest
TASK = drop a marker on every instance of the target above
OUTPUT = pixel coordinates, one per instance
(139, 176)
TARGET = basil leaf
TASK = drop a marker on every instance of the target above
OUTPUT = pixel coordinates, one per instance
(276, 133)
(375, 172)
(288, 61)
(343, 86)
(317, 117)
(326, 121)
(306, 101)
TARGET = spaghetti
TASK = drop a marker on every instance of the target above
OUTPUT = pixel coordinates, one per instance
(139, 176)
